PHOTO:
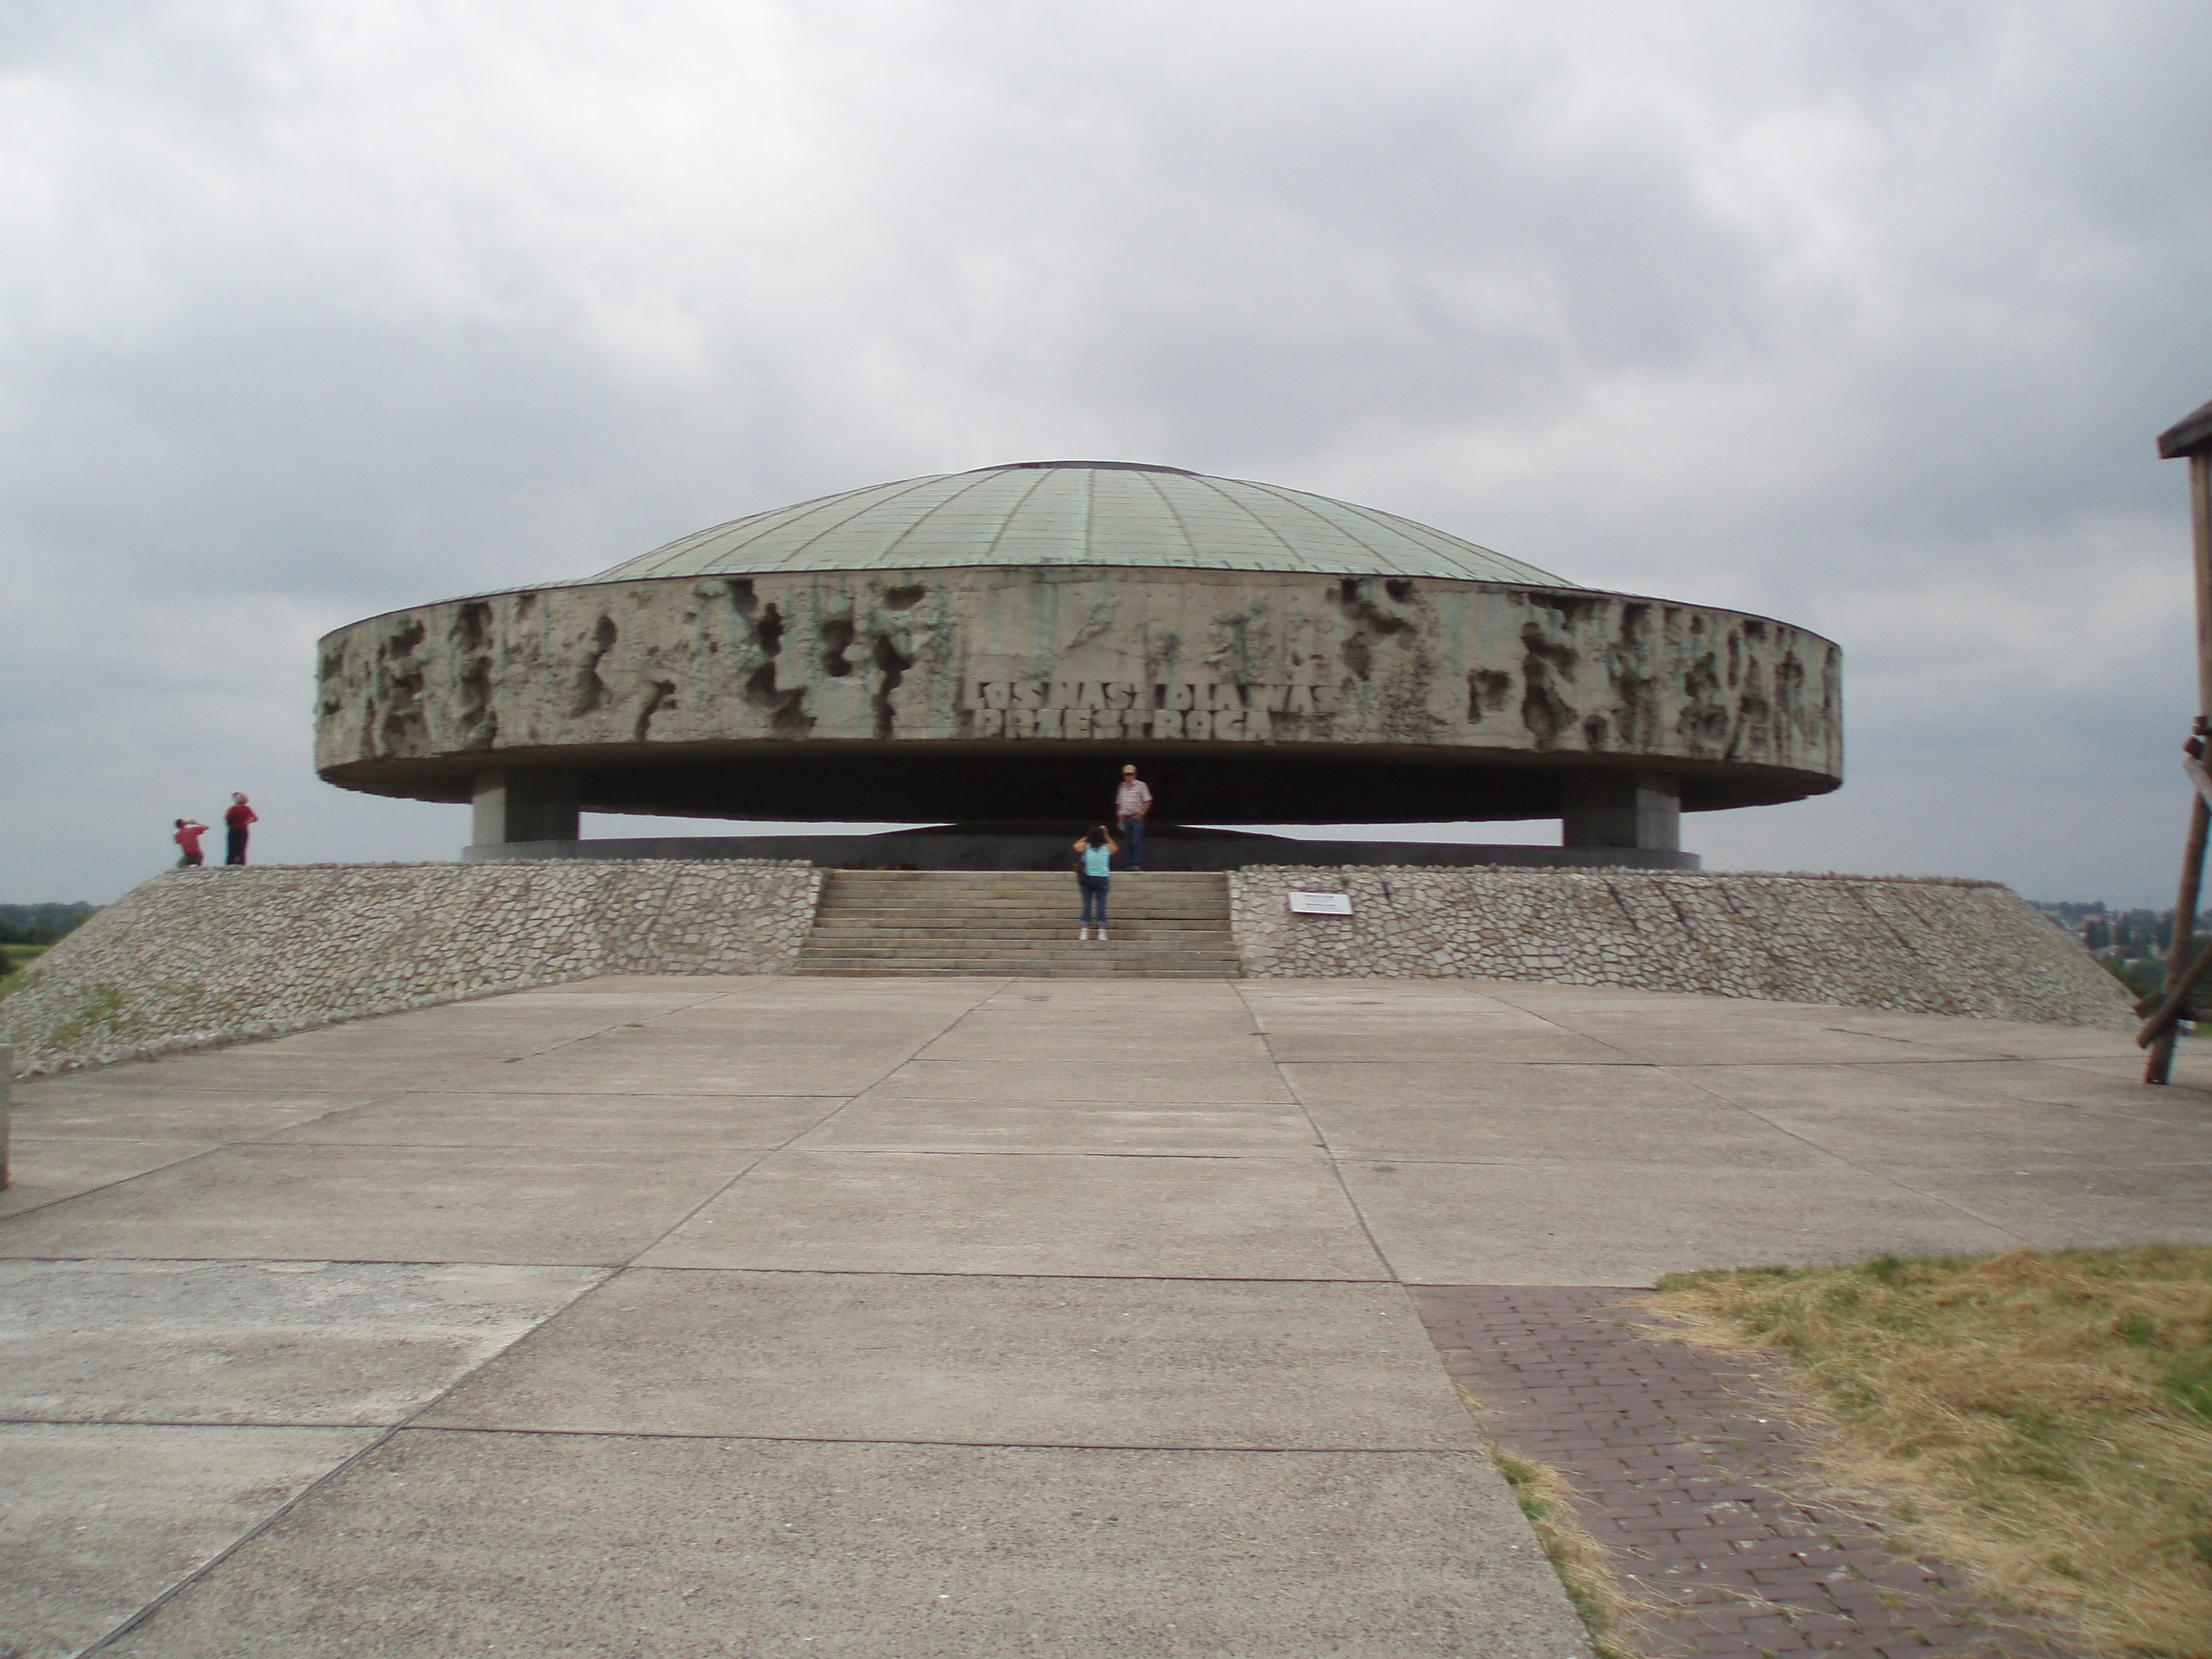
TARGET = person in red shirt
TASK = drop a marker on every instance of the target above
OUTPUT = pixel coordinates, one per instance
(237, 818)
(189, 832)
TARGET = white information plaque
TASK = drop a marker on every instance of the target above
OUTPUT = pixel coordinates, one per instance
(1320, 904)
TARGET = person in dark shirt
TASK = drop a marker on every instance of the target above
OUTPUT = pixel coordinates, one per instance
(237, 818)
(189, 832)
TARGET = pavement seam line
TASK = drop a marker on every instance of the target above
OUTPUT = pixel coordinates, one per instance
(1474, 1452)
(1849, 1163)
(685, 1219)
(845, 1102)
(120, 1181)
(1489, 1460)
(610, 1274)
(1335, 1167)
(270, 1520)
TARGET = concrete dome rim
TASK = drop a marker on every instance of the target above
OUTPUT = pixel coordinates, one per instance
(1570, 591)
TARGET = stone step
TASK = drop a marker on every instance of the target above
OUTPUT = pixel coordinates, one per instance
(1043, 893)
(1058, 889)
(1022, 951)
(915, 970)
(1011, 877)
(1068, 901)
(993, 876)
(1026, 970)
(1101, 955)
(1000, 923)
(1117, 944)
(921, 918)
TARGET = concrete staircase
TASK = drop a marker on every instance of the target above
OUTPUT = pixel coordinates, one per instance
(1167, 925)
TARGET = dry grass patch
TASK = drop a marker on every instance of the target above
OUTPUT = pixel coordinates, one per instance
(1609, 1613)
(2041, 1418)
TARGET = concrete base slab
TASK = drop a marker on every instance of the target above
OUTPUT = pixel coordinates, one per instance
(1176, 1218)
(452, 1543)
(43, 1170)
(2193, 1068)
(1120, 1214)
(2003, 1082)
(1134, 1081)
(997, 1126)
(1478, 1046)
(1721, 1044)
(70, 1110)
(1388, 1084)
(251, 1069)
(1054, 1042)
(331, 1343)
(1712, 1134)
(601, 1123)
(1932, 1086)
(1917, 1144)
(1598, 1221)
(393, 1204)
(980, 1361)
(2053, 1206)
(101, 1519)
(706, 1068)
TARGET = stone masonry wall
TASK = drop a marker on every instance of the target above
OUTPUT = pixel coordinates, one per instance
(196, 956)
(1925, 946)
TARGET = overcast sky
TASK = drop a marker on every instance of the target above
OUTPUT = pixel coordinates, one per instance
(1861, 315)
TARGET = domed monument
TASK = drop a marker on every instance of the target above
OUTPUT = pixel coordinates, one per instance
(988, 648)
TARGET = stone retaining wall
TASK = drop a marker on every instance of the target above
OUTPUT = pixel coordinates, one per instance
(198, 957)
(1930, 946)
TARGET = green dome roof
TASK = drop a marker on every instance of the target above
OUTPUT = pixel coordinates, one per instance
(1077, 513)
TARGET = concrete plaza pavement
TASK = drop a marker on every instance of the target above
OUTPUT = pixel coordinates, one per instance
(904, 1318)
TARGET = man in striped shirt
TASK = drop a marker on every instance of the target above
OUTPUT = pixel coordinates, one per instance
(1131, 802)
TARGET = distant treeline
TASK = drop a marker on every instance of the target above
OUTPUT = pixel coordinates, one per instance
(40, 924)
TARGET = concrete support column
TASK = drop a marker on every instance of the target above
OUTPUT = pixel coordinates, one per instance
(1621, 809)
(524, 807)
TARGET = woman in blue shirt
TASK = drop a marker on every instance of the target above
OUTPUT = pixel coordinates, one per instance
(1095, 854)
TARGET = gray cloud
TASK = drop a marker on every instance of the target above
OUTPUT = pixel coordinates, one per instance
(1862, 315)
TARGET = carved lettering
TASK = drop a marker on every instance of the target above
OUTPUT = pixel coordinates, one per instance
(1219, 711)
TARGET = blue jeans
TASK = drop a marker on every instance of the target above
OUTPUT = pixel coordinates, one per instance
(1094, 899)
(1133, 837)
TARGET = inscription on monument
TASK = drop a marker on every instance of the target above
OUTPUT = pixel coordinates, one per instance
(1218, 710)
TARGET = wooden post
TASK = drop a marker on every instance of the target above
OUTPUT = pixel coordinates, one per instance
(2161, 1063)
(2200, 517)
(2192, 438)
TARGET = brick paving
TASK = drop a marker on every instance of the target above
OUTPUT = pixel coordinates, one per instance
(1678, 1453)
